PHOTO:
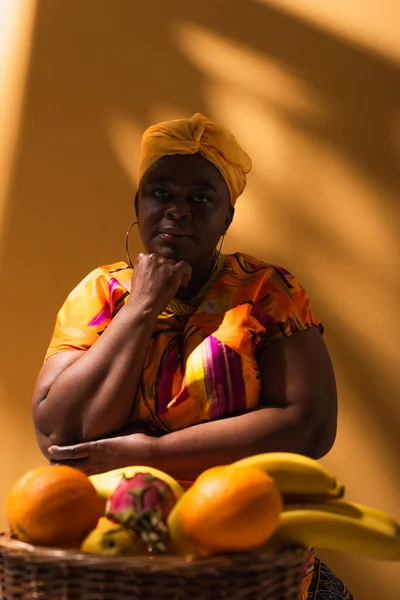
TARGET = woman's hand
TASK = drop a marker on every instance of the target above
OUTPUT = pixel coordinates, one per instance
(155, 281)
(106, 454)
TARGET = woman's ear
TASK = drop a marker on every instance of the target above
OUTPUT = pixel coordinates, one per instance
(136, 203)
(229, 218)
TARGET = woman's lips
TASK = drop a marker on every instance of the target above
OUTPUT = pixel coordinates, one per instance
(175, 237)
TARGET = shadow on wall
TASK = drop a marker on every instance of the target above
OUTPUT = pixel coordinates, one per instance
(316, 114)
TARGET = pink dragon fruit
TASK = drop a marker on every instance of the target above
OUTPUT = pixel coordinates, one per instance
(142, 503)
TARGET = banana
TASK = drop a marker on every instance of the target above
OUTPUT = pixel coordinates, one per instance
(105, 483)
(338, 525)
(298, 477)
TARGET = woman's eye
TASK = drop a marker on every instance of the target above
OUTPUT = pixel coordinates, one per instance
(200, 198)
(161, 193)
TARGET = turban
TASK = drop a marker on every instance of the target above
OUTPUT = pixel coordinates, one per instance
(198, 135)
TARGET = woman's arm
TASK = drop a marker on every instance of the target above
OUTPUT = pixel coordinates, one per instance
(85, 395)
(299, 394)
(298, 415)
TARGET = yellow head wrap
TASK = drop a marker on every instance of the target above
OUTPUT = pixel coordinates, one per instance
(198, 135)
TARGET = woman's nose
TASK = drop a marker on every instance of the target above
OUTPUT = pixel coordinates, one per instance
(178, 209)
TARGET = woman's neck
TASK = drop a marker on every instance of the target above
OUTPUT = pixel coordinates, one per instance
(200, 276)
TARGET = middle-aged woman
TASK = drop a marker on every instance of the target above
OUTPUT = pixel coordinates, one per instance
(191, 358)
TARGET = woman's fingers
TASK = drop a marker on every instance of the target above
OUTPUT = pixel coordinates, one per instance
(156, 279)
(70, 452)
(185, 272)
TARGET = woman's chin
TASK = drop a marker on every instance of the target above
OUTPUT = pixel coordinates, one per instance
(171, 253)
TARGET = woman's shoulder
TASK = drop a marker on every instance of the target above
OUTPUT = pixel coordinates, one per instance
(264, 278)
(250, 266)
(102, 282)
(280, 302)
(118, 270)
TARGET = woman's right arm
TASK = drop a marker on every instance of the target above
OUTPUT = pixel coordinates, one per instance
(85, 395)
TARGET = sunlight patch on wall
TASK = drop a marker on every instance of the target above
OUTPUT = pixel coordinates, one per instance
(374, 25)
(161, 111)
(331, 190)
(225, 60)
(303, 176)
(16, 29)
(124, 136)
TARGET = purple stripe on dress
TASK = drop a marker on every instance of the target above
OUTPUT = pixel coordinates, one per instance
(215, 377)
(112, 284)
(168, 367)
(103, 315)
(224, 380)
(236, 381)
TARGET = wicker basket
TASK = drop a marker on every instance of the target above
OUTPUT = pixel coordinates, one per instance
(33, 573)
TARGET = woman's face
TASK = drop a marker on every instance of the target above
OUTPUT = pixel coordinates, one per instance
(183, 208)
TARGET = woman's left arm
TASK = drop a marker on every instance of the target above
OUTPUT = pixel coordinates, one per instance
(297, 413)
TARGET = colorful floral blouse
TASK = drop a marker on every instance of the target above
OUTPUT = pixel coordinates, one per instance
(200, 366)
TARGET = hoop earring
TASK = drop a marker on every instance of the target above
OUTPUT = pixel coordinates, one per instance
(222, 242)
(128, 256)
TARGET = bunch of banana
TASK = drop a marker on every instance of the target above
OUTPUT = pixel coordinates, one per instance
(338, 525)
(299, 478)
(314, 513)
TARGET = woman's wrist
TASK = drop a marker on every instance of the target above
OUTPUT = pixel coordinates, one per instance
(151, 452)
(143, 307)
(138, 449)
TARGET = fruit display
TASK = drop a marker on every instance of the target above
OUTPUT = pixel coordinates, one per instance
(270, 502)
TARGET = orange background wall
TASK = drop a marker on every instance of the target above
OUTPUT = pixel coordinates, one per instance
(312, 92)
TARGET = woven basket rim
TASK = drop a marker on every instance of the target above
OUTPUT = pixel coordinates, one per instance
(41, 554)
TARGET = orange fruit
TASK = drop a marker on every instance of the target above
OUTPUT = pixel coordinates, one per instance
(230, 510)
(53, 506)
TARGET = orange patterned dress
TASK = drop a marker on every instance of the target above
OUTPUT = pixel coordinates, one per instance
(200, 366)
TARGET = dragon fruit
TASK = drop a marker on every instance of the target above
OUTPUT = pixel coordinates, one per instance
(142, 504)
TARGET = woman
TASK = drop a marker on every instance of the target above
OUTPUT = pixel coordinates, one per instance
(192, 358)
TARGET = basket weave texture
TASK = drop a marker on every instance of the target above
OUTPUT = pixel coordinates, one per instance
(35, 573)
